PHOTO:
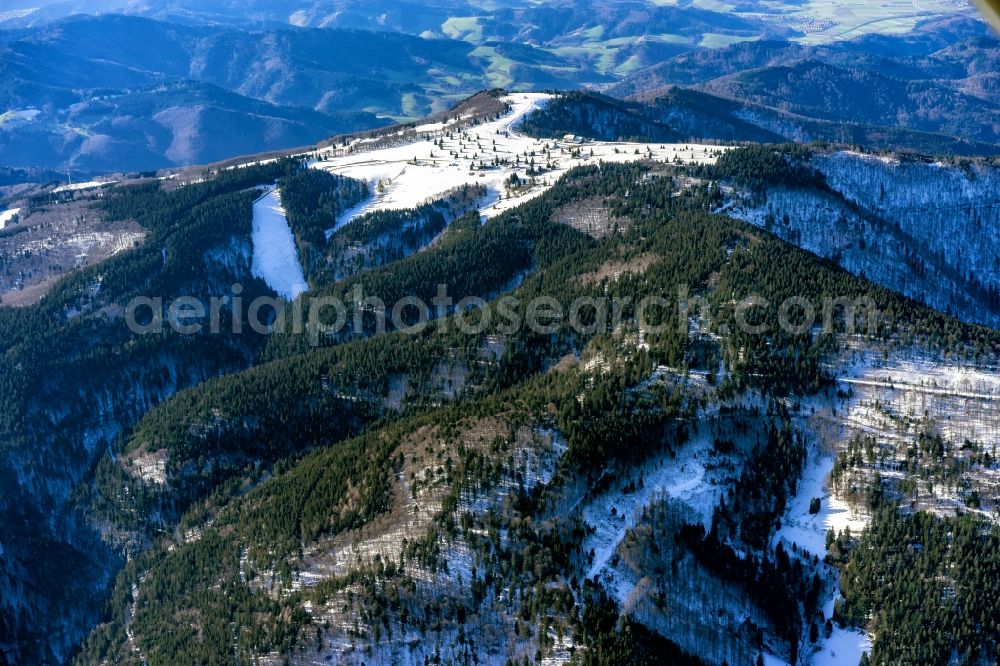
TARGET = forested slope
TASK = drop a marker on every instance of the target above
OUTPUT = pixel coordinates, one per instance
(333, 497)
(923, 226)
(73, 376)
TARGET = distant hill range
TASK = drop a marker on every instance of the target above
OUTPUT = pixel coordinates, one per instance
(605, 27)
(126, 93)
(920, 92)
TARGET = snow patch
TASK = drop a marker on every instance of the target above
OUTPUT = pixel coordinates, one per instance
(89, 185)
(275, 257)
(844, 646)
(354, 212)
(808, 530)
(771, 660)
(7, 216)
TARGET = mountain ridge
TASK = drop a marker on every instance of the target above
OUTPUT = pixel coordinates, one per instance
(772, 356)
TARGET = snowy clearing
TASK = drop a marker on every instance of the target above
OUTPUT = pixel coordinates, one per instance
(275, 257)
(808, 530)
(89, 185)
(7, 216)
(408, 175)
(923, 376)
(844, 646)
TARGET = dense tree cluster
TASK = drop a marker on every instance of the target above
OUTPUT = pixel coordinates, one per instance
(926, 586)
(313, 201)
(757, 166)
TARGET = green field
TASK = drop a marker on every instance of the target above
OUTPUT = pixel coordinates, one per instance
(465, 28)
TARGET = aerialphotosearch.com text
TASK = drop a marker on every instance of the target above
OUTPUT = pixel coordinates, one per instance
(325, 316)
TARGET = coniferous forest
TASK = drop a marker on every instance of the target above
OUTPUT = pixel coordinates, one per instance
(266, 470)
(699, 369)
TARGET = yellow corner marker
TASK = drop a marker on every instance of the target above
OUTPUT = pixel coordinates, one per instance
(991, 10)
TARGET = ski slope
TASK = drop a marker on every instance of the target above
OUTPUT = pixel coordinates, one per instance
(275, 256)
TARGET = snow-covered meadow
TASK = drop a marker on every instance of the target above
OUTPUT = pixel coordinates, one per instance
(808, 530)
(405, 176)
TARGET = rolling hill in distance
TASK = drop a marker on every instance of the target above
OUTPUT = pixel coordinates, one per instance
(120, 92)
